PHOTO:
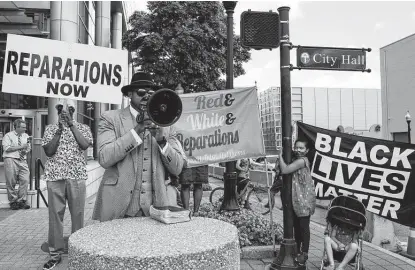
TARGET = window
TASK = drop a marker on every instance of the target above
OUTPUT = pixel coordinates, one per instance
(15, 101)
(400, 136)
(86, 35)
(86, 22)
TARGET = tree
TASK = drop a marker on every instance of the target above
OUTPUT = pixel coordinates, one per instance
(186, 43)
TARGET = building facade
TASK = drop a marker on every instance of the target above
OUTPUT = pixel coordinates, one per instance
(95, 23)
(397, 86)
(270, 108)
(357, 110)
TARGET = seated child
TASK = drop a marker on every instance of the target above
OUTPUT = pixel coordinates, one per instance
(341, 239)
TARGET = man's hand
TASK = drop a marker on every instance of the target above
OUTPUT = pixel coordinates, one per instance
(62, 122)
(142, 126)
(160, 133)
(24, 146)
(67, 117)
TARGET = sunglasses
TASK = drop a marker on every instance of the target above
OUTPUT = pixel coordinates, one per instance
(60, 108)
(143, 92)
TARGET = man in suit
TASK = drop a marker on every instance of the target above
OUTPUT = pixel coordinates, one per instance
(136, 159)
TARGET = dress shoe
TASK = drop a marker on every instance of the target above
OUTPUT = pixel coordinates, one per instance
(23, 205)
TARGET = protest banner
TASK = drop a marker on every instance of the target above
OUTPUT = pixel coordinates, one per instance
(57, 69)
(219, 126)
(377, 172)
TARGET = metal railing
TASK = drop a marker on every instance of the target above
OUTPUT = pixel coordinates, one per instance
(38, 166)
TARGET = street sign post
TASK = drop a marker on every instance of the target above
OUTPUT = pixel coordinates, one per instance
(329, 58)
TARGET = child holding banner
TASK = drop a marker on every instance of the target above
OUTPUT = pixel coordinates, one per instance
(303, 197)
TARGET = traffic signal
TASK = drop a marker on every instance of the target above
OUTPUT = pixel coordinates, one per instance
(260, 30)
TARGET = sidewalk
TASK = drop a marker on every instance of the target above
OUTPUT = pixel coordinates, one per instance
(22, 233)
(374, 257)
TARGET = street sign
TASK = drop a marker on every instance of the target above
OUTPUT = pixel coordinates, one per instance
(327, 58)
(260, 30)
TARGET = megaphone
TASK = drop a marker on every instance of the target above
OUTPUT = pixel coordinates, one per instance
(164, 107)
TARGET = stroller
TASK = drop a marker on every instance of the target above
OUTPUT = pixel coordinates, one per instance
(351, 213)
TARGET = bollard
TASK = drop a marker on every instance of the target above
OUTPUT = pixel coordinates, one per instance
(410, 252)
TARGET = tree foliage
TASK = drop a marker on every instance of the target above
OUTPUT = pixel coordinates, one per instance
(186, 43)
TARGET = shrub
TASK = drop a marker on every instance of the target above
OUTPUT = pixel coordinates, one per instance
(253, 228)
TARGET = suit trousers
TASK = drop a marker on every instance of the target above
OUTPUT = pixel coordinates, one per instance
(60, 192)
(16, 170)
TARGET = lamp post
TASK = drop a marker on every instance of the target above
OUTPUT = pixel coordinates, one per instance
(408, 121)
(229, 177)
(179, 89)
(410, 251)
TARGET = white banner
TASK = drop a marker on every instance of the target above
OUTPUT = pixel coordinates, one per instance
(57, 69)
(219, 126)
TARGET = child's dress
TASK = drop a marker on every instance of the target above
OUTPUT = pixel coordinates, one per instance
(303, 193)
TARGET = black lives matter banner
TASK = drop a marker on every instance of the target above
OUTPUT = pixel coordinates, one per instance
(51, 68)
(377, 172)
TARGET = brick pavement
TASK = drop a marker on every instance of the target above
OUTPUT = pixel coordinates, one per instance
(23, 232)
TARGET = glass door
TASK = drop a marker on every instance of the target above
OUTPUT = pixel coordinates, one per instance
(5, 127)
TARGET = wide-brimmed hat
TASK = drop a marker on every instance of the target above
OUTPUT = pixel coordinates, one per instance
(140, 79)
(65, 103)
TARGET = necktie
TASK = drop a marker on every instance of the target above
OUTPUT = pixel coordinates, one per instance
(21, 154)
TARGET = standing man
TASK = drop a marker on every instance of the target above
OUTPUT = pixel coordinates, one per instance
(136, 159)
(65, 172)
(16, 147)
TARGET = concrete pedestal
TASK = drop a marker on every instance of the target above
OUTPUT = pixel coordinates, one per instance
(144, 243)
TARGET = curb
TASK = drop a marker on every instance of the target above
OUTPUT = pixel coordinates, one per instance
(323, 204)
(258, 252)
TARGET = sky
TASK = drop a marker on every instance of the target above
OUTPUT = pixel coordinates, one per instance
(354, 24)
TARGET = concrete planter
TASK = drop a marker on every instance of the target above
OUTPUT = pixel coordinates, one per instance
(258, 252)
(144, 243)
